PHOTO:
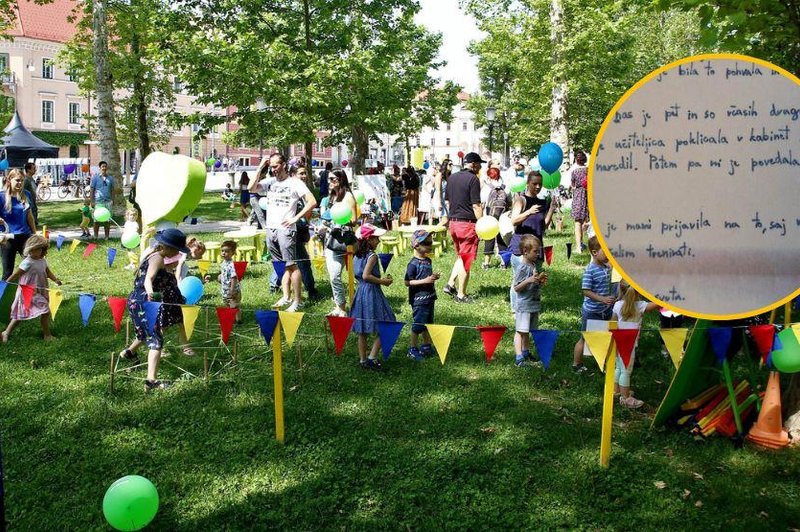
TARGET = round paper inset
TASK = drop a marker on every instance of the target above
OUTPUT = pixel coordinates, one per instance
(694, 186)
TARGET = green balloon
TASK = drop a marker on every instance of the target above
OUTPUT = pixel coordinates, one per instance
(360, 198)
(341, 213)
(101, 214)
(550, 181)
(130, 503)
(131, 239)
(787, 358)
(210, 162)
(518, 184)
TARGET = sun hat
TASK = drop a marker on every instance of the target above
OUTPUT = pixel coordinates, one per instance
(173, 238)
(367, 230)
(419, 236)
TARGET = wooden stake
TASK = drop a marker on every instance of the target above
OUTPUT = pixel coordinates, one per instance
(277, 370)
(608, 407)
(112, 373)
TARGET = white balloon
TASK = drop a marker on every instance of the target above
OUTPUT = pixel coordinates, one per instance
(262, 202)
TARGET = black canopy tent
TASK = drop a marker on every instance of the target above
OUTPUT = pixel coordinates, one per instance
(20, 145)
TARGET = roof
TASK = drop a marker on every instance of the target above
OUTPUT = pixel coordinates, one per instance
(46, 22)
(463, 96)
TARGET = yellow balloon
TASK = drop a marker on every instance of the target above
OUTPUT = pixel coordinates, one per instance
(487, 228)
(417, 157)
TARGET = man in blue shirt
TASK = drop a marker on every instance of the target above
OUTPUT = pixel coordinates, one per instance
(102, 187)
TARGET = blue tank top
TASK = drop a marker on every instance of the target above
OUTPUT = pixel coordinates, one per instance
(533, 224)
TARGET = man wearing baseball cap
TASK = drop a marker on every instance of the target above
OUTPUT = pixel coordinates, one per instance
(463, 198)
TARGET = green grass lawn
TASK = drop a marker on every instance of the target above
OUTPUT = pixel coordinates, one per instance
(467, 445)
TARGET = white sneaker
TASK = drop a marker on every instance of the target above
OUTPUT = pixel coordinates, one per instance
(282, 302)
(294, 307)
(630, 402)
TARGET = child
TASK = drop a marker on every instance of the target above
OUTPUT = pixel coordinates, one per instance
(527, 304)
(597, 298)
(498, 202)
(178, 264)
(86, 217)
(228, 195)
(369, 304)
(228, 281)
(131, 226)
(421, 293)
(32, 271)
(629, 309)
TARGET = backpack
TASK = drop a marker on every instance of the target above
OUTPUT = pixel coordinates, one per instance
(498, 202)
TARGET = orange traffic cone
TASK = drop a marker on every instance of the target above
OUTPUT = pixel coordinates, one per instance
(768, 431)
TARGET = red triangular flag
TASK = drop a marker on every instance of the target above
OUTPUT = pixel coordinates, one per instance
(763, 336)
(491, 336)
(466, 259)
(240, 267)
(89, 249)
(340, 328)
(625, 340)
(117, 306)
(548, 255)
(226, 317)
(27, 295)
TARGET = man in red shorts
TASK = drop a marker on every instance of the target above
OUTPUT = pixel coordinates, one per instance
(463, 197)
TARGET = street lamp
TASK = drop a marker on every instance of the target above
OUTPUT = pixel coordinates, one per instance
(505, 149)
(491, 113)
(261, 106)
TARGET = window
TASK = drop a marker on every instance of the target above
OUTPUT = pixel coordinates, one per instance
(177, 84)
(47, 68)
(433, 141)
(464, 126)
(47, 111)
(74, 113)
(72, 75)
(417, 139)
(447, 142)
(320, 147)
(3, 62)
(448, 127)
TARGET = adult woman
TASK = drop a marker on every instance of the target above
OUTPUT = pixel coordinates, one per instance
(425, 197)
(17, 217)
(244, 195)
(396, 189)
(530, 215)
(408, 211)
(338, 237)
(439, 188)
(580, 210)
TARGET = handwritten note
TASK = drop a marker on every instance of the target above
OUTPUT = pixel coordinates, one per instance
(696, 186)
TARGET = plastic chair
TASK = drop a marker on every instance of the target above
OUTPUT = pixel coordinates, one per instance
(390, 243)
(247, 253)
(212, 251)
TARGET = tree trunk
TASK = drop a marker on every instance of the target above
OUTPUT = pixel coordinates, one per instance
(309, 171)
(558, 108)
(360, 149)
(408, 152)
(142, 130)
(106, 124)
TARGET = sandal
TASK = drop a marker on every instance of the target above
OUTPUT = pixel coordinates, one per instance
(127, 354)
(188, 351)
(156, 385)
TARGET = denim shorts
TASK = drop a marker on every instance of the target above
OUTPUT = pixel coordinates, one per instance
(589, 315)
(421, 314)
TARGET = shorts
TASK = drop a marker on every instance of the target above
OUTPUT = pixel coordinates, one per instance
(233, 301)
(421, 314)
(590, 315)
(282, 244)
(526, 321)
(85, 222)
(465, 239)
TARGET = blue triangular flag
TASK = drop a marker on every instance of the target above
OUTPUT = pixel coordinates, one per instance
(267, 320)
(280, 269)
(720, 338)
(59, 241)
(86, 304)
(112, 254)
(385, 259)
(388, 332)
(151, 313)
(545, 341)
(777, 345)
(3, 285)
(505, 256)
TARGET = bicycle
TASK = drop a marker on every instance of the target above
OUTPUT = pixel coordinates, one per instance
(43, 190)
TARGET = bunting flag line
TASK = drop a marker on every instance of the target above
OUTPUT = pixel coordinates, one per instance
(569, 250)
(290, 321)
(505, 257)
(203, 266)
(240, 267)
(267, 321)
(89, 250)
(466, 259)
(59, 242)
(151, 309)
(73, 245)
(441, 336)
(674, 340)
(599, 343)
(340, 327)
(389, 332)
(117, 306)
(720, 338)
(491, 336)
(616, 277)
(626, 341)
(86, 304)
(112, 254)
(190, 314)
(545, 341)
(56, 297)
(226, 317)
(764, 337)
(548, 255)
(385, 259)
(27, 295)
(280, 269)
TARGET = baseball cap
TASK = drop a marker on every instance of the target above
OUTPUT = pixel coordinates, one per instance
(419, 236)
(473, 157)
(368, 230)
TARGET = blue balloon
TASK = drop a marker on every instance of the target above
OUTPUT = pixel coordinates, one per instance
(192, 289)
(550, 157)
(426, 165)
(4, 164)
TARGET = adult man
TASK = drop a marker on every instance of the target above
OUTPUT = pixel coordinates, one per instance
(323, 181)
(30, 186)
(463, 199)
(283, 195)
(100, 195)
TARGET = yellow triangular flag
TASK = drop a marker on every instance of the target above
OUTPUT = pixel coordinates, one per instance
(44, 230)
(616, 277)
(599, 343)
(73, 246)
(290, 321)
(796, 329)
(674, 339)
(203, 266)
(441, 336)
(190, 313)
(56, 297)
(318, 262)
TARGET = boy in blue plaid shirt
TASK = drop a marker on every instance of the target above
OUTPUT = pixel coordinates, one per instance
(420, 281)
